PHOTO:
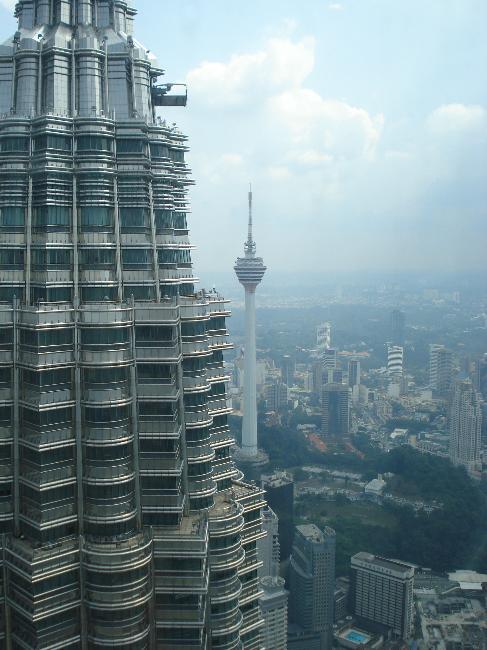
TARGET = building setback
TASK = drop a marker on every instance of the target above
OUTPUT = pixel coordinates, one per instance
(381, 593)
(125, 523)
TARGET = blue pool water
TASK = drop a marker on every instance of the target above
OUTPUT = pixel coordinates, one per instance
(356, 637)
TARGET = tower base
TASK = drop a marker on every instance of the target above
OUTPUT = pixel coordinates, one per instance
(251, 466)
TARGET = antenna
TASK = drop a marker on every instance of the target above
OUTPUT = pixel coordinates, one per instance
(250, 244)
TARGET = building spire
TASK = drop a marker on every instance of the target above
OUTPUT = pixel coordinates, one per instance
(250, 244)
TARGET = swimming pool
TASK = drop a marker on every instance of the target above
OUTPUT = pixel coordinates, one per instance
(357, 637)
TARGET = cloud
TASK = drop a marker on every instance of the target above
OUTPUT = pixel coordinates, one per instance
(245, 78)
(334, 127)
(8, 4)
(335, 6)
(296, 123)
(457, 118)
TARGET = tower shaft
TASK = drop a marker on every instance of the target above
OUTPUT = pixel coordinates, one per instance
(249, 427)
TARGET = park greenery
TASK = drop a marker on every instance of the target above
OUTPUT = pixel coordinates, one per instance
(452, 537)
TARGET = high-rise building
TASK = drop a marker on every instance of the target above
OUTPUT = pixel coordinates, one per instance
(332, 376)
(353, 373)
(250, 271)
(124, 521)
(381, 593)
(312, 581)
(395, 360)
(335, 411)
(441, 369)
(465, 425)
(276, 395)
(329, 358)
(398, 326)
(288, 368)
(268, 548)
(279, 490)
(480, 376)
(323, 337)
(273, 605)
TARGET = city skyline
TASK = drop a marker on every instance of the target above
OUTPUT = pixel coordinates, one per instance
(373, 139)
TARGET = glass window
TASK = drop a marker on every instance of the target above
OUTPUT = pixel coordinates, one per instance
(105, 336)
(58, 338)
(51, 216)
(93, 143)
(47, 378)
(164, 219)
(96, 218)
(133, 219)
(180, 221)
(12, 258)
(12, 217)
(99, 294)
(52, 141)
(153, 373)
(169, 290)
(156, 409)
(159, 150)
(97, 257)
(176, 155)
(134, 258)
(150, 336)
(106, 415)
(194, 328)
(139, 292)
(58, 257)
(174, 256)
(17, 144)
(105, 376)
(127, 145)
(51, 294)
(7, 294)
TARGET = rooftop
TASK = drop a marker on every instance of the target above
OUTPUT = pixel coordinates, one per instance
(384, 563)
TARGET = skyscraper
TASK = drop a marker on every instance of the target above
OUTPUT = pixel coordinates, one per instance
(398, 325)
(395, 360)
(335, 411)
(125, 521)
(465, 425)
(268, 546)
(441, 369)
(273, 605)
(312, 581)
(381, 592)
(353, 373)
(250, 271)
(279, 489)
(323, 337)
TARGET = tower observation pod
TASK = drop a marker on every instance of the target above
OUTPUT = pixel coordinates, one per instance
(250, 270)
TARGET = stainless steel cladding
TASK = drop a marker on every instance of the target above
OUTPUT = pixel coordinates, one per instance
(119, 502)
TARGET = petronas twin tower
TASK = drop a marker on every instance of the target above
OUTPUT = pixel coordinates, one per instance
(124, 522)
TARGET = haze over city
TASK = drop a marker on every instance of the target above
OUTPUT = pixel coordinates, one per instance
(362, 125)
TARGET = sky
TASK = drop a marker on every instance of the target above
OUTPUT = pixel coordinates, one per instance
(362, 125)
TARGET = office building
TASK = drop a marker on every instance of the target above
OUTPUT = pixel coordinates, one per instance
(335, 411)
(323, 337)
(268, 548)
(276, 395)
(441, 370)
(332, 376)
(395, 361)
(398, 326)
(480, 376)
(329, 358)
(312, 582)
(465, 425)
(124, 524)
(354, 373)
(381, 593)
(273, 605)
(279, 491)
(288, 368)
